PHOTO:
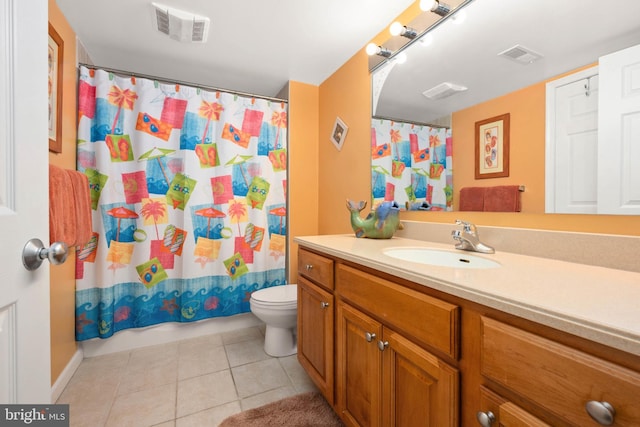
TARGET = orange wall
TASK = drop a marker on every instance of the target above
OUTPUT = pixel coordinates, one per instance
(303, 167)
(346, 174)
(526, 108)
(62, 277)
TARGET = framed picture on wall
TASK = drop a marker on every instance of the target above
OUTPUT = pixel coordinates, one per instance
(339, 133)
(56, 46)
(492, 147)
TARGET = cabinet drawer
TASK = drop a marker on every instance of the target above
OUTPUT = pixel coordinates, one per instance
(316, 267)
(555, 377)
(428, 320)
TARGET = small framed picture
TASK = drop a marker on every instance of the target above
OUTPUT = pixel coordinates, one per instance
(339, 133)
(492, 147)
(56, 46)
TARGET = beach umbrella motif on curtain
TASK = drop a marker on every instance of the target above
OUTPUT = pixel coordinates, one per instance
(240, 160)
(279, 120)
(411, 191)
(210, 213)
(379, 171)
(157, 153)
(210, 111)
(121, 99)
(281, 212)
(119, 213)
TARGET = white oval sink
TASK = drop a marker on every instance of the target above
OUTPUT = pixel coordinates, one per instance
(441, 258)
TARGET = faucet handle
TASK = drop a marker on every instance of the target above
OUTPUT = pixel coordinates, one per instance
(467, 226)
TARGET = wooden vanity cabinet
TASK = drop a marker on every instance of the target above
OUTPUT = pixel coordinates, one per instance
(402, 359)
(557, 380)
(316, 320)
(385, 378)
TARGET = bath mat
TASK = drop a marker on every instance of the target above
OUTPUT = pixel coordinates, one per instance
(302, 410)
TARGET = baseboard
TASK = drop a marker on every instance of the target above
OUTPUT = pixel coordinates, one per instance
(65, 376)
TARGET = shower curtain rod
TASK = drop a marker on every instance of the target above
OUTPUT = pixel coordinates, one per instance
(124, 73)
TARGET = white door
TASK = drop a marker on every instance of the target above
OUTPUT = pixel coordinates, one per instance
(572, 144)
(619, 133)
(25, 365)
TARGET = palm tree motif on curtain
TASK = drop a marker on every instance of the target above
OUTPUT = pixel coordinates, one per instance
(279, 120)
(236, 211)
(154, 209)
(121, 99)
(210, 111)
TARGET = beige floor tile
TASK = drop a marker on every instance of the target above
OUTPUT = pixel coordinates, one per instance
(240, 335)
(259, 377)
(205, 392)
(210, 417)
(296, 373)
(201, 357)
(245, 352)
(267, 397)
(148, 369)
(144, 408)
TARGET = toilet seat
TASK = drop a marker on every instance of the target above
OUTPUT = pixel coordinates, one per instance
(276, 296)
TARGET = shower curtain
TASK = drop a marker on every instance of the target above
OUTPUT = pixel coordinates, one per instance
(188, 191)
(411, 164)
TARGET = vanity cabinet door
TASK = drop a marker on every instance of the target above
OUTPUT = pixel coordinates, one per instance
(315, 335)
(418, 388)
(358, 373)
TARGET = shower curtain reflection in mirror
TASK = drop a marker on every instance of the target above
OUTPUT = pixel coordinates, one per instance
(411, 164)
(188, 191)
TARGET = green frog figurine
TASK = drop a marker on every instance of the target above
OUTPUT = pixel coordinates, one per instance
(381, 223)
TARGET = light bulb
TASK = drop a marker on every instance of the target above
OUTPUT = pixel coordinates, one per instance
(372, 49)
(396, 28)
(428, 5)
(401, 58)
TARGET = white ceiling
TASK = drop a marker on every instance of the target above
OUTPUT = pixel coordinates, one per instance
(567, 33)
(254, 46)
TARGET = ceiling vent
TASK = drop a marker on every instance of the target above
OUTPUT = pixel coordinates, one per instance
(180, 25)
(520, 54)
(443, 90)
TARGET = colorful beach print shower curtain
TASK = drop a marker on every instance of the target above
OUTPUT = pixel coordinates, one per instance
(188, 191)
(411, 164)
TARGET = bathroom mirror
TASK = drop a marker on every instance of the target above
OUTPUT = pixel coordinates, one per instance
(490, 48)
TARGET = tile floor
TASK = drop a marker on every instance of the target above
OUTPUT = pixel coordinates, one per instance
(191, 383)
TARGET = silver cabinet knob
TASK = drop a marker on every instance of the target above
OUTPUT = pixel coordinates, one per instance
(308, 267)
(485, 419)
(324, 304)
(602, 412)
(34, 253)
(382, 345)
(369, 336)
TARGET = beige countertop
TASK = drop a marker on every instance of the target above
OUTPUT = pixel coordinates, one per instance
(596, 303)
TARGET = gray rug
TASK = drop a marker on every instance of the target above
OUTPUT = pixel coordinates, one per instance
(302, 410)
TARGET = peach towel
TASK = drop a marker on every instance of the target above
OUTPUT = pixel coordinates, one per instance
(502, 198)
(472, 199)
(69, 207)
(62, 208)
(82, 199)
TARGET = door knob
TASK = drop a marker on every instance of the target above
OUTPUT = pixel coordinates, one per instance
(34, 253)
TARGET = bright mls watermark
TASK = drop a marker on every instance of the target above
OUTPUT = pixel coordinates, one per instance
(34, 415)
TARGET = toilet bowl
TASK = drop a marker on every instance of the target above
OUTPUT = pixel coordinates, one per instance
(277, 307)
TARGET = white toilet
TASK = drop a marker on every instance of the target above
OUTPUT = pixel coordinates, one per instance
(277, 307)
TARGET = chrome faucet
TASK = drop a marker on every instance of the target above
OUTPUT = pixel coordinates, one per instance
(468, 239)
